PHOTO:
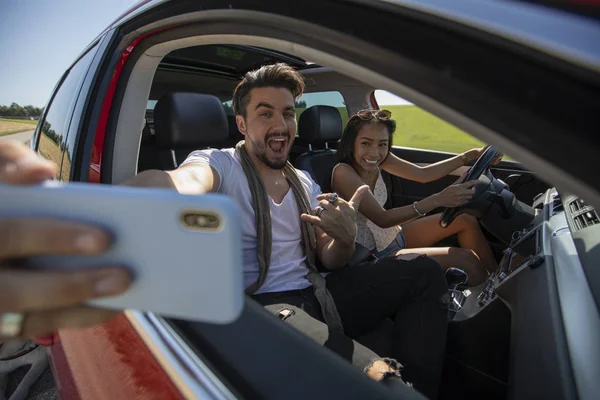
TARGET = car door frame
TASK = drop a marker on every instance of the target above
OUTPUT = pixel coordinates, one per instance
(461, 105)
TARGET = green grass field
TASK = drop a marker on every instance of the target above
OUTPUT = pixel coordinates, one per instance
(10, 126)
(20, 121)
(419, 129)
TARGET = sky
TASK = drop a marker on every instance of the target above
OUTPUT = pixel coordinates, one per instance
(383, 97)
(40, 39)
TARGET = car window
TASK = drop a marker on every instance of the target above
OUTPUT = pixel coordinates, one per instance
(52, 141)
(416, 128)
(332, 98)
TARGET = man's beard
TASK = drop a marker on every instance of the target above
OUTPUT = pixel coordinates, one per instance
(271, 164)
(261, 153)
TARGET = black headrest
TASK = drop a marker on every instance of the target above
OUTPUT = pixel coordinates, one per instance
(184, 119)
(234, 132)
(146, 133)
(320, 124)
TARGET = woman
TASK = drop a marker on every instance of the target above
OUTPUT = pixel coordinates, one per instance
(364, 150)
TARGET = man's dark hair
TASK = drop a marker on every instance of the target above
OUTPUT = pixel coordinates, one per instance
(278, 75)
(345, 148)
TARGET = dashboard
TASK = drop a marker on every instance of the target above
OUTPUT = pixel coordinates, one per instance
(549, 281)
(571, 237)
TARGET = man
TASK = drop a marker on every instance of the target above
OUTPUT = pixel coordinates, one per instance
(290, 230)
(257, 174)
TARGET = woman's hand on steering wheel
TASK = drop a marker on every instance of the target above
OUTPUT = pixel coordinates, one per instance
(475, 153)
(479, 168)
(456, 195)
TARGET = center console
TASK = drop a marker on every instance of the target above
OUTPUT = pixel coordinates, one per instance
(525, 251)
(530, 330)
(480, 322)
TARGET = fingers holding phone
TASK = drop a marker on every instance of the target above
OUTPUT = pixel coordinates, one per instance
(35, 302)
(82, 252)
(38, 302)
(20, 165)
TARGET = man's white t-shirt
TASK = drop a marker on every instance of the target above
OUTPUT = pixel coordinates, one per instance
(287, 270)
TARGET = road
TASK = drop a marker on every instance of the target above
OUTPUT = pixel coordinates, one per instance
(21, 136)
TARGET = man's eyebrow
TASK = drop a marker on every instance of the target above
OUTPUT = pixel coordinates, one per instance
(263, 104)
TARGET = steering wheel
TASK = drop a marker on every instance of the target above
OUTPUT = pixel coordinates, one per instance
(481, 166)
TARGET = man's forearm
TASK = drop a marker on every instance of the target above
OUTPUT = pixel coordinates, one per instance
(336, 254)
(184, 180)
(152, 178)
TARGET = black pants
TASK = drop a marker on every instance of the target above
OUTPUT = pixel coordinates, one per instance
(413, 293)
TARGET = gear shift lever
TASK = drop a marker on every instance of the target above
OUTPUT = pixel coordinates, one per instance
(456, 277)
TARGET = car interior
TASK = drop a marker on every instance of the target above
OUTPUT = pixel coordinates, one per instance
(167, 110)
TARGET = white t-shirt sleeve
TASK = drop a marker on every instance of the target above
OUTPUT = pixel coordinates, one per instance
(220, 161)
(312, 188)
(316, 190)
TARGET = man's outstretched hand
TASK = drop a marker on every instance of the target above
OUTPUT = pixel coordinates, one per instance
(337, 219)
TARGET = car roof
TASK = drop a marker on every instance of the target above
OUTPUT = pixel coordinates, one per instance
(529, 22)
(230, 60)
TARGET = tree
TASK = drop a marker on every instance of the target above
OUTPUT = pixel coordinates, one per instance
(16, 110)
(301, 104)
(32, 111)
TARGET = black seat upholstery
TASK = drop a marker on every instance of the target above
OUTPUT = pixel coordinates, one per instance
(184, 122)
(148, 150)
(319, 126)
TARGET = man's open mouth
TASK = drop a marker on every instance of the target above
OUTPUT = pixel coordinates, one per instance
(277, 144)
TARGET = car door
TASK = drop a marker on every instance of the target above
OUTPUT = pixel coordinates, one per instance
(258, 357)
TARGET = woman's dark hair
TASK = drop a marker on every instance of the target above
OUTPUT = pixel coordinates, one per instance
(279, 75)
(345, 148)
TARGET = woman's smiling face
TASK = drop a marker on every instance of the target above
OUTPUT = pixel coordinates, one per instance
(371, 146)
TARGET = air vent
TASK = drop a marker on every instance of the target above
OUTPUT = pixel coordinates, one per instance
(586, 219)
(576, 205)
(583, 215)
(556, 205)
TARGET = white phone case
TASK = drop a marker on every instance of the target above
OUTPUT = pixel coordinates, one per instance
(185, 251)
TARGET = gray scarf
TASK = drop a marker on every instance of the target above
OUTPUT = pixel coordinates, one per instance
(262, 213)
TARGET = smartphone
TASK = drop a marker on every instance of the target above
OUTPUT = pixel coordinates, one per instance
(184, 251)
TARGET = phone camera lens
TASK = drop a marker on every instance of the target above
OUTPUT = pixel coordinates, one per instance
(199, 220)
